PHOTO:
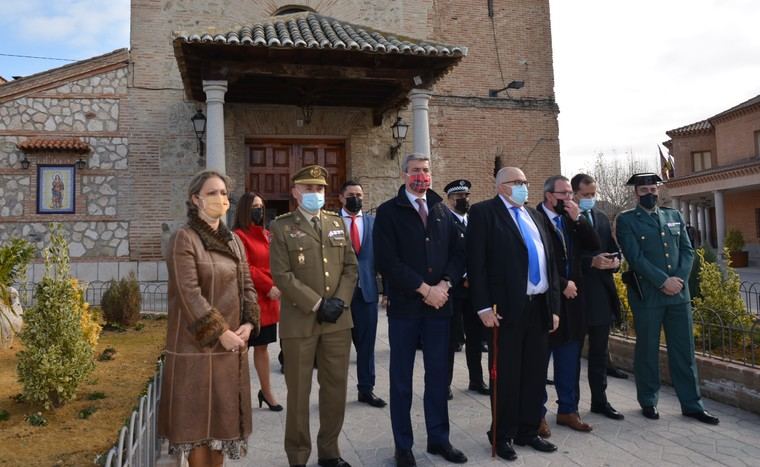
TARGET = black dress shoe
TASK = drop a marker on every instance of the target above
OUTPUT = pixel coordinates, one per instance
(506, 451)
(480, 388)
(371, 399)
(405, 458)
(650, 413)
(616, 373)
(537, 443)
(448, 452)
(704, 417)
(608, 411)
(338, 462)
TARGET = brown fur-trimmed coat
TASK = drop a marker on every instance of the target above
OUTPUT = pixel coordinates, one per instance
(206, 394)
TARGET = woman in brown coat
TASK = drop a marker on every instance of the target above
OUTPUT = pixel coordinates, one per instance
(205, 408)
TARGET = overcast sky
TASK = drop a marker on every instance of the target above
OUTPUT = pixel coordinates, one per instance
(625, 71)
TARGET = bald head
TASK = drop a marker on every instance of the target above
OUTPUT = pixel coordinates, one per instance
(507, 174)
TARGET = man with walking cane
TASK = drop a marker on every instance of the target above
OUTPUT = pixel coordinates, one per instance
(509, 265)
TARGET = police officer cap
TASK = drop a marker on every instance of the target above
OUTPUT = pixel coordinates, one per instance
(458, 186)
(646, 178)
(311, 175)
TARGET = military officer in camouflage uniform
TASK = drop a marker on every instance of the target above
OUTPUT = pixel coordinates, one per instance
(314, 266)
(659, 254)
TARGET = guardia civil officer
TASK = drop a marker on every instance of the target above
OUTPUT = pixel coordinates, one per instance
(314, 266)
(658, 251)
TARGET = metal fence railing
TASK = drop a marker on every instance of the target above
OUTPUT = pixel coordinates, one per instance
(138, 444)
(750, 292)
(733, 337)
(154, 295)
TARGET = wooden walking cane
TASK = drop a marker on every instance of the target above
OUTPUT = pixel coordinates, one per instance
(494, 393)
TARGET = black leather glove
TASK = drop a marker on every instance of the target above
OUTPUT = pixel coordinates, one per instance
(330, 310)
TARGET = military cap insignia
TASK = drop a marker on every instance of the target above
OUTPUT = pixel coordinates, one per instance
(315, 172)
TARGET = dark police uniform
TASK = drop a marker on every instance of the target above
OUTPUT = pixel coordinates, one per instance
(307, 266)
(656, 246)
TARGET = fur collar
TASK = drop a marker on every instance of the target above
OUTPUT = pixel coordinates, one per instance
(217, 240)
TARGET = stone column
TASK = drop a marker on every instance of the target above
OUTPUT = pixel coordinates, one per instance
(685, 211)
(693, 215)
(708, 226)
(701, 218)
(720, 220)
(421, 125)
(675, 203)
(215, 157)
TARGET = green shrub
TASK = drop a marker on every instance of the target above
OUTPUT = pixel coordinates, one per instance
(4, 415)
(87, 411)
(36, 419)
(720, 304)
(734, 241)
(708, 255)
(59, 334)
(121, 302)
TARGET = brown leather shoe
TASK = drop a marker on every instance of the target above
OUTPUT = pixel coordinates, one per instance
(543, 429)
(573, 420)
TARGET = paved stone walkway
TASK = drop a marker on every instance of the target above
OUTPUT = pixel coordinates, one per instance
(367, 439)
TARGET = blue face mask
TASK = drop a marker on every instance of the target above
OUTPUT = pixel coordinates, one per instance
(312, 202)
(587, 204)
(519, 194)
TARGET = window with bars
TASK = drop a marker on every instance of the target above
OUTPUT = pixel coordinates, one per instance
(701, 160)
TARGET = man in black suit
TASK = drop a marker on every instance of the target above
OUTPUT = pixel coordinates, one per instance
(571, 234)
(602, 303)
(510, 266)
(466, 327)
(419, 252)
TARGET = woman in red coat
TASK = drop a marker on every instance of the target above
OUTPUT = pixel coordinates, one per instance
(249, 226)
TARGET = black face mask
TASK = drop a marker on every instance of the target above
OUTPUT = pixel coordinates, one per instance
(560, 207)
(648, 201)
(353, 204)
(257, 216)
(462, 205)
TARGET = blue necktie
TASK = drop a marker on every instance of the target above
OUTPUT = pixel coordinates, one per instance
(534, 272)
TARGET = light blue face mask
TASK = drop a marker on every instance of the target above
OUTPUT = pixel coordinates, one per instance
(519, 194)
(312, 202)
(587, 204)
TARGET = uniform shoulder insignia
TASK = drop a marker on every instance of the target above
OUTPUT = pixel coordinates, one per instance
(627, 211)
(282, 216)
(331, 213)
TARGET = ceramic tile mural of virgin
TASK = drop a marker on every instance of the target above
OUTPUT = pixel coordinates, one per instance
(55, 189)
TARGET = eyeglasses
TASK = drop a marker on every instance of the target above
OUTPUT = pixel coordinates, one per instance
(517, 183)
(566, 193)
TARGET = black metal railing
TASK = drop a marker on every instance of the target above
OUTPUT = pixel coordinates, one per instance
(153, 294)
(750, 292)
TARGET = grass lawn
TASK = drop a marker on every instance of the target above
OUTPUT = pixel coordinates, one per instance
(67, 439)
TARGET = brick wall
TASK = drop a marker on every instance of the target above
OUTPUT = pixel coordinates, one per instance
(740, 213)
(683, 146)
(467, 128)
(735, 137)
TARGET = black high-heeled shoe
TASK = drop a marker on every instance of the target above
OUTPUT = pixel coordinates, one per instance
(263, 400)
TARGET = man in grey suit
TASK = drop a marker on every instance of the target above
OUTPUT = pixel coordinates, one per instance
(364, 302)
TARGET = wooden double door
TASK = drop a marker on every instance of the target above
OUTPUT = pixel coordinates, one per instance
(272, 163)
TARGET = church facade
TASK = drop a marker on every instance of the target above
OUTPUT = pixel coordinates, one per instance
(280, 85)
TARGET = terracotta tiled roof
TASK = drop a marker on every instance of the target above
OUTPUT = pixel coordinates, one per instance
(59, 145)
(320, 32)
(699, 127)
(755, 101)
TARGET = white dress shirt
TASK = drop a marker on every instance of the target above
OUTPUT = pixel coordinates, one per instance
(543, 284)
(413, 199)
(359, 223)
(462, 218)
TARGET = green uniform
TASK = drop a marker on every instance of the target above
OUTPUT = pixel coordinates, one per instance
(656, 246)
(308, 265)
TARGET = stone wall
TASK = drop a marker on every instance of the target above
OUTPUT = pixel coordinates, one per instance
(86, 239)
(14, 189)
(89, 107)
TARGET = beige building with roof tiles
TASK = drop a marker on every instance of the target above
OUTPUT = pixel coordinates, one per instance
(284, 84)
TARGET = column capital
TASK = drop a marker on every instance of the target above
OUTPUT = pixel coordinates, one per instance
(420, 98)
(215, 90)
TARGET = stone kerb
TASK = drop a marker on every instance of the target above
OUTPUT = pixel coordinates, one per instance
(720, 380)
